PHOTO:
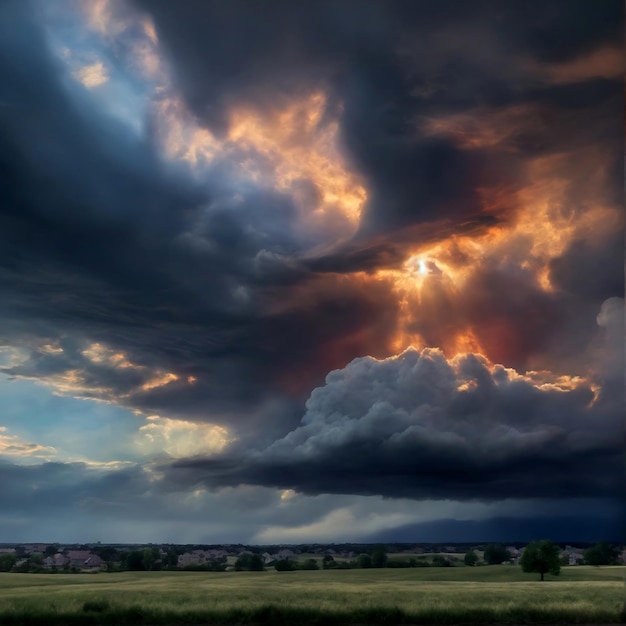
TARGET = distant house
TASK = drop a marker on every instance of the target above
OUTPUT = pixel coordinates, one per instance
(84, 559)
(56, 561)
(190, 558)
(284, 555)
(216, 554)
(573, 555)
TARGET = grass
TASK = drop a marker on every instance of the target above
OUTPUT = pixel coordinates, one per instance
(490, 594)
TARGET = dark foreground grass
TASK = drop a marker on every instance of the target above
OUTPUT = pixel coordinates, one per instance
(288, 616)
(487, 595)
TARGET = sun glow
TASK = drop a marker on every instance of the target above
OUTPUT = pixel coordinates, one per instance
(427, 287)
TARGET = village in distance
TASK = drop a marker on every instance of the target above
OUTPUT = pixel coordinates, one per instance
(96, 557)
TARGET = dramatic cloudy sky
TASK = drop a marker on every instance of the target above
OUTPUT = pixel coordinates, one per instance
(331, 270)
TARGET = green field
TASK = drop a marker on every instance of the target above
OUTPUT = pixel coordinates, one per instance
(490, 594)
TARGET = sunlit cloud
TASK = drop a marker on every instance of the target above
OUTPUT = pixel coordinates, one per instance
(97, 353)
(92, 75)
(82, 379)
(20, 451)
(180, 438)
(293, 149)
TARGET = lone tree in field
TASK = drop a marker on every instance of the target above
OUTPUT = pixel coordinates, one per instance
(541, 557)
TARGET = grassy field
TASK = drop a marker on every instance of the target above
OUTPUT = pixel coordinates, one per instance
(490, 594)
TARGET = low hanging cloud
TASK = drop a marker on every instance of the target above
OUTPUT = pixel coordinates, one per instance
(421, 425)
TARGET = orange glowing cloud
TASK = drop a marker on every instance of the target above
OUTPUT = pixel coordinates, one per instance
(538, 219)
(302, 147)
(426, 288)
(285, 147)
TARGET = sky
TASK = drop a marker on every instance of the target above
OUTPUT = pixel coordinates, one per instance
(316, 271)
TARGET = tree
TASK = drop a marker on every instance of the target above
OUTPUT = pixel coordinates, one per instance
(602, 553)
(106, 553)
(172, 558)
(284, 565)
(150, 558)
(541, 557)
(471, 558)
(364, 561)
(134, 561)
(243, 561)
(7, 561)
(496, 553)
(328, 562)
(36, 559)
(51, 550)
(249, 562)
(379, 557)
(256, 563)
(441, 561)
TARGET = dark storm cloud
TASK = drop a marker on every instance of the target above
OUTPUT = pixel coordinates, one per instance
(225, 53)
(388, 69)
(385, 65)
(605, 522)
(589, 270)
(421, 426)
(90, 218)
(390, 250)
(104, 241)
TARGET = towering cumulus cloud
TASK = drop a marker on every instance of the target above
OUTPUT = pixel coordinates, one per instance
(418, 425)
(301, 257)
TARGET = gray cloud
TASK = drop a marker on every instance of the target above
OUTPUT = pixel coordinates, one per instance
(421, 426)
